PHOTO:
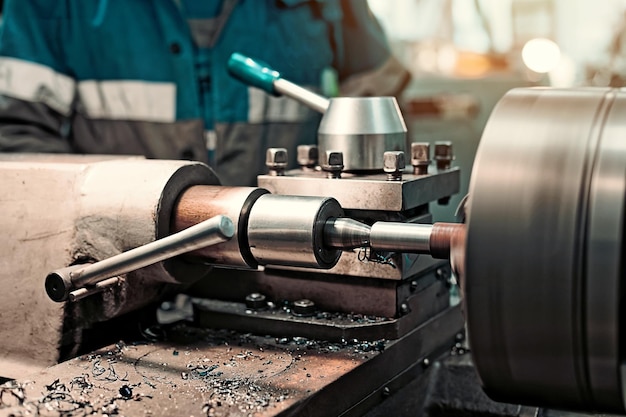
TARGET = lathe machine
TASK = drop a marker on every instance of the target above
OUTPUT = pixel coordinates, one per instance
(327, 290)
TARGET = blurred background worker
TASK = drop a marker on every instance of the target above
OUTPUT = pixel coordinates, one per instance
(149, 77)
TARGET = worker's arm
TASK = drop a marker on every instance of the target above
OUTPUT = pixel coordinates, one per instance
(36, 90)
(363, 57)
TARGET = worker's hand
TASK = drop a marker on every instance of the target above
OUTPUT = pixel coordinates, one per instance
(387, 80)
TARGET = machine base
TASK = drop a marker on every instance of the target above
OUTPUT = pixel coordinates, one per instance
(223, 373)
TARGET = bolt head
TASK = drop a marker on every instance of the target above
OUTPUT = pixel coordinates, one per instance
(334, 163)
(303, 308)
(393, 161)
(255, 301)
(420, 153)
(334, 158)
(276, 158)
(308, 155)
(443, 150)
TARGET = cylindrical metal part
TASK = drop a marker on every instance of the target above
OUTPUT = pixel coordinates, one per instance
(544, 285)
(401, 237)
(289, 230)
(202, 202)
(209, 232)
(346, 233)
(304, 96)
(444, 237)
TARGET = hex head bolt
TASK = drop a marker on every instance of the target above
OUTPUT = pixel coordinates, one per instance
(276, 161)
(256, 301)
(308, 156)
(334, 164)
(303, 308)
(420, 157)
(393, 165)
(443, 155)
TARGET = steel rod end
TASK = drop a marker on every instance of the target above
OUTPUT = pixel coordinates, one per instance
(226, 227)
(59, 285)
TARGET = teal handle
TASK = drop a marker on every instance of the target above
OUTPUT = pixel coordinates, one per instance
(254, 73)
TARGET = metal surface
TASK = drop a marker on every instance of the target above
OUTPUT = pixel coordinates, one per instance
(429, 297)
(215, 230)
(346, 233)
(66, 209)
(545, 248)
(344, 293)
(221, 373)
(367, 192)
(289, 230)
(304, 96)
(401, 237)
(198, 203)
(363, 128)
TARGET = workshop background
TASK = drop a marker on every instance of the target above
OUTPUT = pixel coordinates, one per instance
(465, 54)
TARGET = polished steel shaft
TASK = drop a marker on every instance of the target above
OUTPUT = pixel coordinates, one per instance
(309, 98)
(59, 283)
(436, 239)
(401, 237)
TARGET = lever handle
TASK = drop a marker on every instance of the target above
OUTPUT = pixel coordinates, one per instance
(260, 75)
(78, 281)
(254, 73)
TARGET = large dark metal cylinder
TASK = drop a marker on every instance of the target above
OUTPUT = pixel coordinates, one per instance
(545, 249)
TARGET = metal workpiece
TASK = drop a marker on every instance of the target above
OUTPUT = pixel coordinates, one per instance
(401, 237)
(289, 230)
(543, 309)
(345, 233)
(420, 157)
(276, 161)
(201, 202)
(367, 191)
(437, 240)
(60, 283)
(363, 128)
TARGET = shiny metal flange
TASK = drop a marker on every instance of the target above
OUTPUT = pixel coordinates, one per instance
(544, 273)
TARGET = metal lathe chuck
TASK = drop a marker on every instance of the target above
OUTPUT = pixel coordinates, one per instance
(544, 281)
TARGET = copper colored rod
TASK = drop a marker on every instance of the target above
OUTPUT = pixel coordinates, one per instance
(444, 237)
